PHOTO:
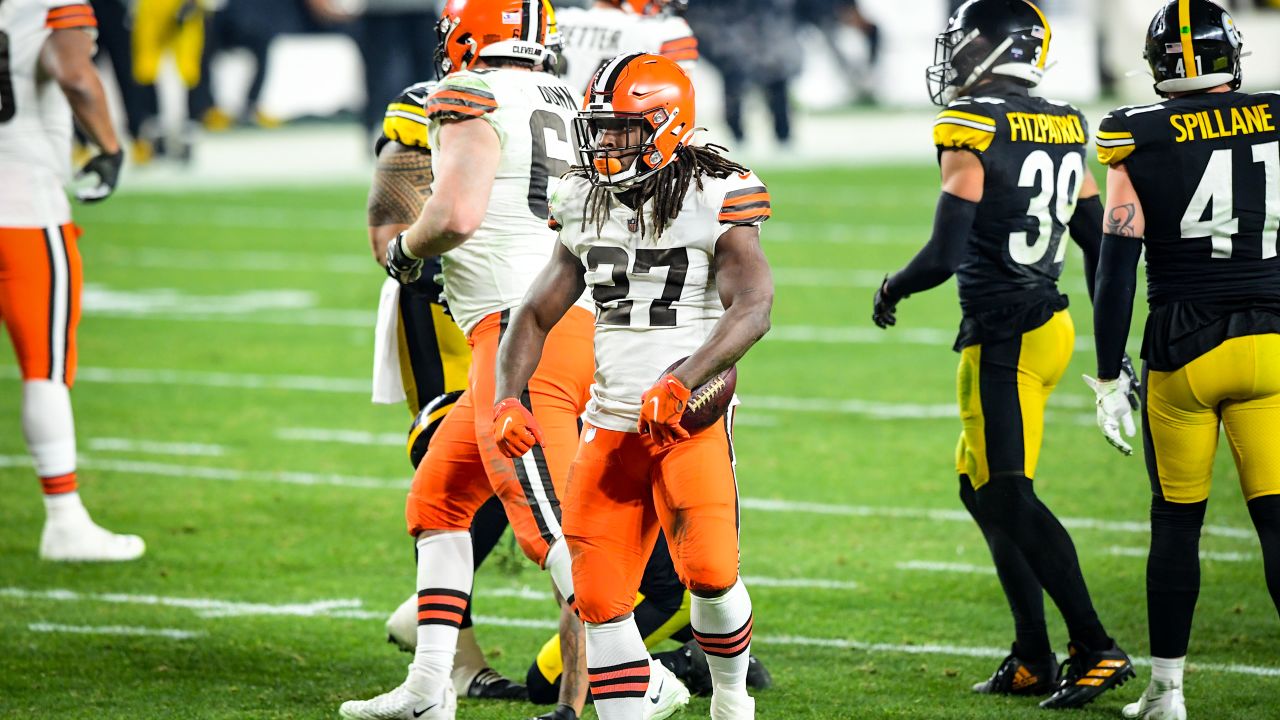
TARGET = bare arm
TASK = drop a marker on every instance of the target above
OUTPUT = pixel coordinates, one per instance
(401, 185)
(67, 57)
(556, 288)
(746, 291)
(465, 166)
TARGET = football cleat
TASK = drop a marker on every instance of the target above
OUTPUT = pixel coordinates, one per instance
(1160, 701)
(562, 712)
(1016, 676)
(732, 706)
(666, 696)
(403, 703)
(758, 676)
(489, 684)
(1086, 674)
(689, 663)
(80, 539)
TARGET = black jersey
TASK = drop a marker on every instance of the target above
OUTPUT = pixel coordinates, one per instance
(1032, 151)
(1206, 169)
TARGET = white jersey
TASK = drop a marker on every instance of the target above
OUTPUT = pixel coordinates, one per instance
(35, 118)
(594, 36)
(532, 113)
(656, 298)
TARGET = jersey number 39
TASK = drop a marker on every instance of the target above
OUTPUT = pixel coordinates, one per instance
(1057, 190)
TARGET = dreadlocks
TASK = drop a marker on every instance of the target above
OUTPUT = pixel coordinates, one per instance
(667, 187)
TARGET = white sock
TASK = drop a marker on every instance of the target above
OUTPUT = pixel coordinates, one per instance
(49, 428)
(444, 588)
(722, 627)
(1168, 670)
(560, 566)
(618, 669)
(65, 507)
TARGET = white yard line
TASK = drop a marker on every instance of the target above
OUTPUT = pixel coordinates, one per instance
(213, 608)
(151, 447)
(345, 437)
(197, 472)
(799, 583)
(1141, 552)
(168, 633)
(948, 567)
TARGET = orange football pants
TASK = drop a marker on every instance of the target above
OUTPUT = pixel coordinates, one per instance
(40, 299)
(463, 466)
(622, 488)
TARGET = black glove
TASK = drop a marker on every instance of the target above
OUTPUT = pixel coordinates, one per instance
(562, 712)
(885, 308)
(107, 167)
(1135, 382)
(400, 266)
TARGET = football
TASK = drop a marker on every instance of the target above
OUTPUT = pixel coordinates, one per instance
(709, 401)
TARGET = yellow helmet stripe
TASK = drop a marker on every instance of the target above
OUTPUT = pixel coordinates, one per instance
(1044, 44)
(1184, 32)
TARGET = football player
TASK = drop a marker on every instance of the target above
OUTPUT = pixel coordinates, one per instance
(1195, 178)
(1014, 180)
(421, 355)
(501, 136)
(592, 36)
(46, 76)
(665, 236)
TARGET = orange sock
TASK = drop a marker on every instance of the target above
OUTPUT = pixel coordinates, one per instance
(59, 484)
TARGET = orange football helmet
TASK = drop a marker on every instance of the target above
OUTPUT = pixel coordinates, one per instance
(650, 97)
(473, 29)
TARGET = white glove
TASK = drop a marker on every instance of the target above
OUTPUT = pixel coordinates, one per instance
(1114, 411)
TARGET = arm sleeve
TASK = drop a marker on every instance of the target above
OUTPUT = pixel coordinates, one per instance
(938, 259)
(1115, 142)
(1113, 303)
(1086, 231)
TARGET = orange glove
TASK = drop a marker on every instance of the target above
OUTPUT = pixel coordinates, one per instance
(514, 428)
(661, 408)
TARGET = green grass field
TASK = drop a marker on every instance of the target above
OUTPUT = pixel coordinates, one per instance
(227, 327)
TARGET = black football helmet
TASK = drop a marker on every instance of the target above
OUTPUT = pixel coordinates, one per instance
(986, 39)
(1193, 45)
(426, 424)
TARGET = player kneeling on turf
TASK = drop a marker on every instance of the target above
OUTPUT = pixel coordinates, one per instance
(666, 237)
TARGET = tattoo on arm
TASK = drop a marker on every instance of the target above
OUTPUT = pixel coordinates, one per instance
(401, 185)
(1120, 222)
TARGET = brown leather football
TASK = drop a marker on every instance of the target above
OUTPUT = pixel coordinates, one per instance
(709, 401)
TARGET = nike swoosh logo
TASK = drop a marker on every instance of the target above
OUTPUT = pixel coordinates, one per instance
(424, 711)
(658, 695)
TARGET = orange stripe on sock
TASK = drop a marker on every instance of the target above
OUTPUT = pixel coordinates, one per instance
(75, 22)
(447, 616)
(59, 484)
(457, 602)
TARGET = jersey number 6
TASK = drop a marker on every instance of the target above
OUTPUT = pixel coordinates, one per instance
(552, 156)
(7, 108)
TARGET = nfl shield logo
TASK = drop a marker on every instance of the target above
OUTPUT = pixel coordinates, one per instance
(633, 224)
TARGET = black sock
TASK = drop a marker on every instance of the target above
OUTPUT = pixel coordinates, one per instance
(1265, 512)
(1173, 574)
(1011, 504)
(1021, 589)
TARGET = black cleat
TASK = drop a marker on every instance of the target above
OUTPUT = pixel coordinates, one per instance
(562, 712)
(758, 677)
(489, 684)
(1017, 676)
(689, 664)
(1086, 674)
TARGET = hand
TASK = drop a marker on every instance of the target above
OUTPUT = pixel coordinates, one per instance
(1114, 412)
(1130, 383)
(107, 167)
(515, 429)
(885, 308)
(562, 712)
(661, 408)
(400, 266)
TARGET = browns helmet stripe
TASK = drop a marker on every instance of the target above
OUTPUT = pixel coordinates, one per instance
(607, 77)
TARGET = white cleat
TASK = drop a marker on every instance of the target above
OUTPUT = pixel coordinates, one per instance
(79, 539)
(666, 696)
(402, 626)
(1160, 701)
(402, 704)
(732, 706)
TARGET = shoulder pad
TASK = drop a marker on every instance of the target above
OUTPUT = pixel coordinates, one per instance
(406, 118)
(965, 124)
(744, 200)
(461, 96)
(1115, 140)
